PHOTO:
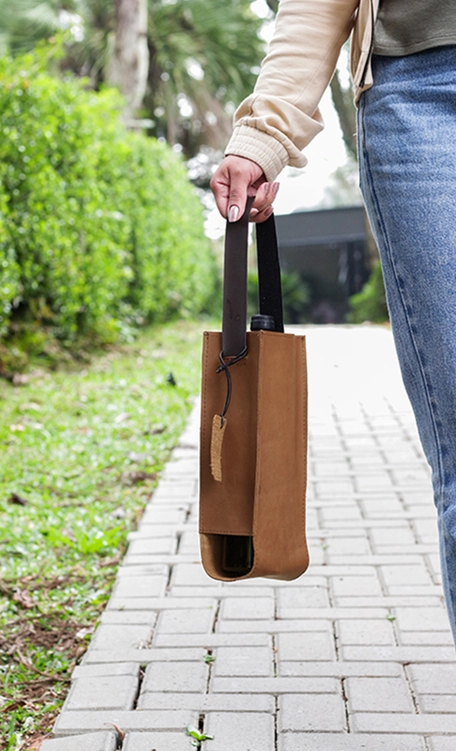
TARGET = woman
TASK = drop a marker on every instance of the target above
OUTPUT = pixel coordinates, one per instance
(404, 72)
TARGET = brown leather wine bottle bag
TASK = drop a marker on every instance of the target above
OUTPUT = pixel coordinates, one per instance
(253, 427)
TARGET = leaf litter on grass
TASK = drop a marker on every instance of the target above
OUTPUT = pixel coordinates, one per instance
(84, 479)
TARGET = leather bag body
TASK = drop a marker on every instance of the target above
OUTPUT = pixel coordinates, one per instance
(257, 488)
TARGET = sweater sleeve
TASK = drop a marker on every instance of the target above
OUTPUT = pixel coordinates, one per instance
(277, 121)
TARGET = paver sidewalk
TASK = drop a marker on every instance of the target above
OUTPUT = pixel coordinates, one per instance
(356, 654)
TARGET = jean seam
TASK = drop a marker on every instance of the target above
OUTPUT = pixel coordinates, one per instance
(382, 228)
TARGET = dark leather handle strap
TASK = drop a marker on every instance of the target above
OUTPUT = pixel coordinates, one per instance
(235, 280)
(269, 282)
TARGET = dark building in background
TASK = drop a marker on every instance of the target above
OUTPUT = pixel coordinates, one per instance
(328, 249)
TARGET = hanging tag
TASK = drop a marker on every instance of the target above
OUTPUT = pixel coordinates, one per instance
(218, 431)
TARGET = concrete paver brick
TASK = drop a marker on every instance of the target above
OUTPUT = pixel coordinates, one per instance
(422, 619)
(162, 513)
(124, 604)
(149, 546)
(431, 591)
(338, 512)
(175, 677)
(182, 603)
(103, 741)
(349, 742)
(144, 656)
(112, 638)
(398, 536)
(145, 570)
(259, 608)
(129, 617)
(355, 586)
(308, 646)
(378, 695)
(153, 530)
(355, 632)
(441, 703)
(103, 692)
(347, 546)
(156, 742)
(244, 732)
(388, 507)
(433, 560)
(341, 669)
(191, 621)
(190, 574)
(426, 531)
(169, 558)
(272, 627)
(389, 602)
(442, 743)
(189, 543)
(297, 600)
(397, 575)
(335, 468)
(74, 722)
(244, 661)
(433, 679)
(138, 586)
(420, 724)
(427, 638)
(219, 591)
(405, 655)
(202, 703)
(208, 641)
(179, 468)
(311, 712)
(275, 686)
(332, 488)
(168, 488)
(311, 619)
(94, 671)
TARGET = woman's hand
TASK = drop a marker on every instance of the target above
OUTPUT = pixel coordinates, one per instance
(235, 179)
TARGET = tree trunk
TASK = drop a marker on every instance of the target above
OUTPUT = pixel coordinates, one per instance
(130, 61)
(346, 112)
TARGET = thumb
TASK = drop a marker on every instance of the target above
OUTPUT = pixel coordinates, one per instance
(244, 176)
(238, 197)
(235, 179)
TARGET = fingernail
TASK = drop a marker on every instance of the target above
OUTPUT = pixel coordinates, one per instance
(253, 213)
(267, 212)
(233, 214)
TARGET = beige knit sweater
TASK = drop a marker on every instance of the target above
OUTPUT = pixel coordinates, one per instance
(277, 121)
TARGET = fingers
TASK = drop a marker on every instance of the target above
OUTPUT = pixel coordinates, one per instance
(237, 178)
(262, 206)
(262, 215)
(234, 180)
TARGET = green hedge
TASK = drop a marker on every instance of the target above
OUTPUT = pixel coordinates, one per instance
(98, 225)
(370, 303)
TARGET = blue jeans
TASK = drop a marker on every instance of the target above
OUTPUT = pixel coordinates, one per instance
(407, 152)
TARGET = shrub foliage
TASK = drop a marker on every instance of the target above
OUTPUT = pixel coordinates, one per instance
(98, 225)
(370, 303)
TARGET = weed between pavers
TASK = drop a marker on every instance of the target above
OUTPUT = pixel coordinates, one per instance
(84, 457)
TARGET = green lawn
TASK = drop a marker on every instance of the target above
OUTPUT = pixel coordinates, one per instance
(80, 453)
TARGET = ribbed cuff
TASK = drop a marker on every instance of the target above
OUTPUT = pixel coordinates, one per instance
(260, 147)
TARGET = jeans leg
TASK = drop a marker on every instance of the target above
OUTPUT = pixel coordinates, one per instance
(407, 132)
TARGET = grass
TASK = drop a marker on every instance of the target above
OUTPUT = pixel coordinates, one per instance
(80, 454)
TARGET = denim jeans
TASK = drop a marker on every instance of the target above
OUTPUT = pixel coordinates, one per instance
(407, 152)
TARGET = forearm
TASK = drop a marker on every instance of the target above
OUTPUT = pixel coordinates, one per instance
(281, 117)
